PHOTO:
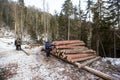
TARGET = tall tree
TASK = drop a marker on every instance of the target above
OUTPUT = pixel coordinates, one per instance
(21, 2)
(62, 26)
(20, 16)
(89, 36)
(67, 8)
(68, 11)
(114, 9)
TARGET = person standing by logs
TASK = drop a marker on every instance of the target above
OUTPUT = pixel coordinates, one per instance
(48, 48)
(18, 44)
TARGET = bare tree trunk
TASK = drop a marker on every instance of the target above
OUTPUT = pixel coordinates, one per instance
(80, 18)
(114, 45)
(57, 30)
(44, 22)
(89, 30)
(118, 14)
(15, 21)
(97, 46)
(68, 28)
(48, 23)
(89, 37)
(36, 25)
(21, 30)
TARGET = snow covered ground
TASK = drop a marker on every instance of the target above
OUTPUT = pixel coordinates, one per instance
(33, 67)
(6, 44)
(37, 67)
(16, 65)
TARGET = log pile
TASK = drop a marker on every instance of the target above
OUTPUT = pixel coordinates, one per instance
(72, 50)
(75, 52)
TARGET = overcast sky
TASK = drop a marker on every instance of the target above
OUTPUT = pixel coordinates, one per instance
(52, 4)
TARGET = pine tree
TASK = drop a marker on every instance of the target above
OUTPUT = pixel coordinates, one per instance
(89, 36)
(68, 11)
(113, 13)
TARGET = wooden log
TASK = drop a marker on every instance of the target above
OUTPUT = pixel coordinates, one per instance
(82, 59)
(25, 52)
(89, 50)
(93, 71)
(98, 73)
(59, 54)
(54, 51)
(69, 47)
(64, 56)
(72, 50)
(86, 62)
(67, 42)
(77, 44)
(35, 45)
(76, 51)
(76, 56)
(42, 49)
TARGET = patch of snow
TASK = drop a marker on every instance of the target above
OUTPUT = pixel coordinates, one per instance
(28, 66)
(6, 44)
(114, 61)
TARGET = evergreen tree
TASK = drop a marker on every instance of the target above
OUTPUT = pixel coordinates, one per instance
(68, 11)
(62, 26)
(67, 8)
(21, 2)
(113, 15)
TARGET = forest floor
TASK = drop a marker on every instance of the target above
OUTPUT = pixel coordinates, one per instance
(16, 65)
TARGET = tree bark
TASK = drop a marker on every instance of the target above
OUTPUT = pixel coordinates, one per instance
(87, 62)
(82, 59)
(69, 47)
(76, 51)
(67, 42)
(98, 73)
(77, 56)
(93, 71)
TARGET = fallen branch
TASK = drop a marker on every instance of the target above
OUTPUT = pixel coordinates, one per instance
(98, 73)
(25, 52)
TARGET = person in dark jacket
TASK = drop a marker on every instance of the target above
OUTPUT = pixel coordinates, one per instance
(18, 44)
(48, 48)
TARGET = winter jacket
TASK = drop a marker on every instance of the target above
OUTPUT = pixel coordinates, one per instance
(48, 46)
(18, 42)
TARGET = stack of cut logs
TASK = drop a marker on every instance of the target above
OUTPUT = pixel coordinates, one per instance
(72, 50)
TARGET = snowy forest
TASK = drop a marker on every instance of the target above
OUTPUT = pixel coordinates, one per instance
(85, 43)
